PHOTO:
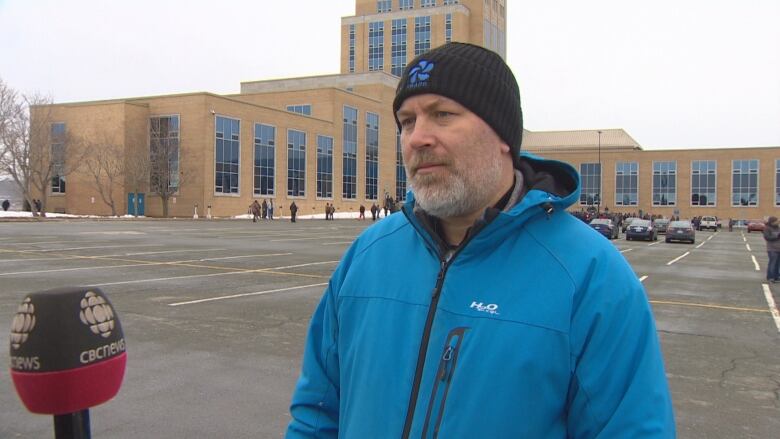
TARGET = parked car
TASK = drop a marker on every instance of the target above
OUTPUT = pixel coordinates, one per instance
(606, 227)
(626, 223)
(709, 222)
(641, 229)
(755, 226)
(681, 231)
(660, 225)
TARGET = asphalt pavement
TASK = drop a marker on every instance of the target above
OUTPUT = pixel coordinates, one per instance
(215, 314)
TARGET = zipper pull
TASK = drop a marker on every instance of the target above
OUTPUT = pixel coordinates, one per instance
(446, 357)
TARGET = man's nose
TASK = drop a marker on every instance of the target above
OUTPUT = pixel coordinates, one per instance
(421, 135)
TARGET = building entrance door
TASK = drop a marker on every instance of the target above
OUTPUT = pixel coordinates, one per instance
(131, 204)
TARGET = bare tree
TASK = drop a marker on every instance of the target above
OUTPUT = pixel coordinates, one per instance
(107, 167)
(165, 173)
(137, 169)
(36, 151)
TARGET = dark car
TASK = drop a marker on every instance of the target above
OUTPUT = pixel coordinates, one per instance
(681, 231)
(606, 227)
(626, 223)
(641, 229)
(660, 225)
(755, 226)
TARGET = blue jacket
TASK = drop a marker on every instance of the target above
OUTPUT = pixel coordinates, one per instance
(536, 327)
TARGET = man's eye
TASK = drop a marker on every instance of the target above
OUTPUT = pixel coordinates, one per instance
(407, 121)
(443, 114)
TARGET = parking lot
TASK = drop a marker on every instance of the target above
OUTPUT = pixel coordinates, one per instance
(215, 315)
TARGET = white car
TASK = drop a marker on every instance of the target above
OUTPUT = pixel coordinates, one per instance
(709, 222)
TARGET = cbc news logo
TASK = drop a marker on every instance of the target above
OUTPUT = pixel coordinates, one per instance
(97, 314)
(23, 324)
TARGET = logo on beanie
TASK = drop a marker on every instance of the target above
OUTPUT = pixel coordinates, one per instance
(420, 73)
(23, 324)
(97, 314)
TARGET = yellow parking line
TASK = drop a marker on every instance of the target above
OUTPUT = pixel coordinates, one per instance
(705, 305)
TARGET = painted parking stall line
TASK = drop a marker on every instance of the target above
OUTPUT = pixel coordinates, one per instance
(772, 305)
(236, 296)
(678, 258)
(748, 247)
(643, 278)
(755, 262)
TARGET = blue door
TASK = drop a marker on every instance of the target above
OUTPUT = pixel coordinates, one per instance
(131, 204)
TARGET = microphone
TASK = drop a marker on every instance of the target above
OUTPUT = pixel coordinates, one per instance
(67, 354)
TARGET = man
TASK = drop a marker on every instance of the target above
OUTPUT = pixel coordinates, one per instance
(499, 314)
(293, 211)
(772, 238)
(255, 209)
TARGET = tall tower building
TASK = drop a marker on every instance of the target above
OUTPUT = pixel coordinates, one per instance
(384, 35)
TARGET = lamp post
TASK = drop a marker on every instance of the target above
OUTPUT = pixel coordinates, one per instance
(598, 203)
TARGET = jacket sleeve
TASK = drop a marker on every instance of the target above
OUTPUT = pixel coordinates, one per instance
(618, 386)
(315, 402)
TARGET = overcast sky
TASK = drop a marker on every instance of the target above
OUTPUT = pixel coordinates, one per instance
(672, 73)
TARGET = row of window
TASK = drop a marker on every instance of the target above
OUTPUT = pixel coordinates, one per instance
(227, 159)
(387, 5)
(744, 183)
(398, 49)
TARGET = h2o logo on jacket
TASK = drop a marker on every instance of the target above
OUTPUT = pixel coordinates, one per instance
(490, 308)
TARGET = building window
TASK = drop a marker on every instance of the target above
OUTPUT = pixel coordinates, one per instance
(744, 183)
(296, 163)
(450, 2)
(703, 182)
(590, 174)
(164, 154)
(300, 109)
(777, 182)
(627, 183)
(383, 6)
(265, 159)
(57, 150)
(427, 3)
(376, 46)
(448, 28)
(400, 171)
(398, 48)
(351, 65)
(422, 35)
(372, 155)
(227, 161)
(349, 181)
(324, 167)
(405, 4)
(665, 183)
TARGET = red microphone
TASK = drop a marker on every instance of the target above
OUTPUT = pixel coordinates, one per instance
(67, 354)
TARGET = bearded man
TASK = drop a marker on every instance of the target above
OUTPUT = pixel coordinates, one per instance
(498, 314)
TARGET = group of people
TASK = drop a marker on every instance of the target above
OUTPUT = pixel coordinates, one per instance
(329, 211)
(264, 211)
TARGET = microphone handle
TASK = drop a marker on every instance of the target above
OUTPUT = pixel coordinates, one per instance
(72, 425)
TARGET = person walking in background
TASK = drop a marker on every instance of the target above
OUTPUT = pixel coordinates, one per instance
(254, 208)
(362, 210)
(497, 314)
(772, 238)
(271, 210)
(374, 211)
(293, 211)
(265, 209)
(6, 205)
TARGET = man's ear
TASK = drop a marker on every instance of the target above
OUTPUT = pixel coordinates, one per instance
(504, 147)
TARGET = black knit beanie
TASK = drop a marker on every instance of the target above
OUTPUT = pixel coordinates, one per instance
(473, 76)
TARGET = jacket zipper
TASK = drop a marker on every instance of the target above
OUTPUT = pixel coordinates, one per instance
(441, 387)
(424, 348)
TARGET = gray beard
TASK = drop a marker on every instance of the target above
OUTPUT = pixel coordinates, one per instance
(459, 195)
